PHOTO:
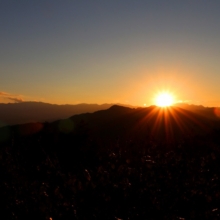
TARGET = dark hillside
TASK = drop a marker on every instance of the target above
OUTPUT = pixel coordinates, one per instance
(119, 163)
(164, 125)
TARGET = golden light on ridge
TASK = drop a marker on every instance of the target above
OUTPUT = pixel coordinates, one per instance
(164, 99)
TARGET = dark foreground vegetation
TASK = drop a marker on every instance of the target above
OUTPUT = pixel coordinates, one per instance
(47, 175)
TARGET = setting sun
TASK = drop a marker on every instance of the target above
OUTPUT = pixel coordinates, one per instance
(164, 99)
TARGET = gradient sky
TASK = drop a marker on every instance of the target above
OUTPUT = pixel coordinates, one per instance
(116, 51)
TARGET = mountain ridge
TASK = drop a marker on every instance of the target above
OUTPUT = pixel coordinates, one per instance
(118, 122)
(26, 112)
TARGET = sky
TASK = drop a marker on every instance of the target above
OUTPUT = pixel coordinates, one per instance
(115, 51)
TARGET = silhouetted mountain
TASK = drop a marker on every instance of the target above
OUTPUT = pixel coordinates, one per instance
(122, 123)
(209, 112)
(162, 124)
(119, 163)
(25, 112)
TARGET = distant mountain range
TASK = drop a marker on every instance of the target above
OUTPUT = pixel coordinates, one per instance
(119, 122)
(209, 112)
(26, 112)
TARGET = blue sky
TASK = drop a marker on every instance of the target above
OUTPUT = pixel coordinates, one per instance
(109, 51)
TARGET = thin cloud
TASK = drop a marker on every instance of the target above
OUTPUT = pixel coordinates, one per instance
(18, 100)
(5, 94)
(12, 97)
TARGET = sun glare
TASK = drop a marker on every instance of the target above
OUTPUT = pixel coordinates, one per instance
(164, 99)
